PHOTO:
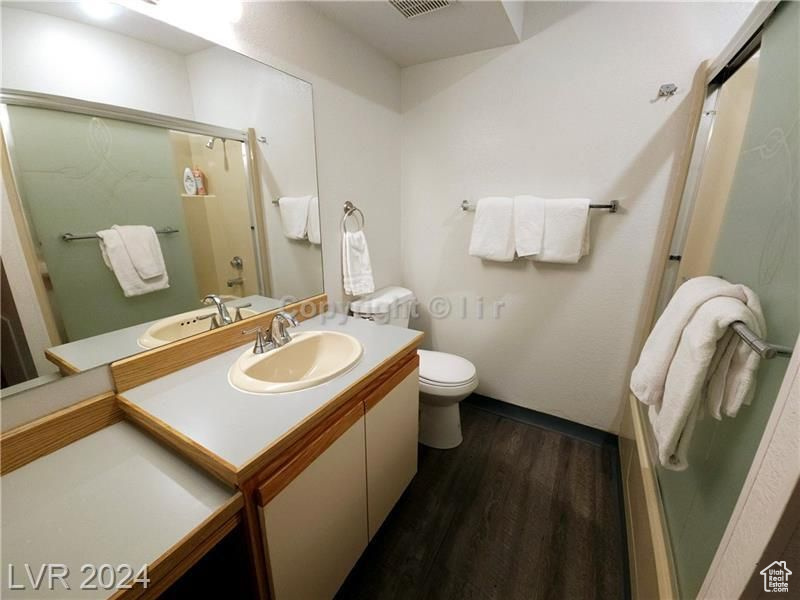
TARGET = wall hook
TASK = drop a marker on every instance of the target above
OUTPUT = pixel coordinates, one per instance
(667, 90)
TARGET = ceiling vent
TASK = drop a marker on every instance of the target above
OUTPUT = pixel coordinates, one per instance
(415, 8)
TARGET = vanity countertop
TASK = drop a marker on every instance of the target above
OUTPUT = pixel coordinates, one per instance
(114, 497)
(199, 404)
(105, 348)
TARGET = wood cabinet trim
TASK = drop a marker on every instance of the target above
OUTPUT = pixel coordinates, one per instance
(271, 488)
(178, 559)
(64, 366)
(197, 453)
(146, 366)
(30, 441)
(392, 382)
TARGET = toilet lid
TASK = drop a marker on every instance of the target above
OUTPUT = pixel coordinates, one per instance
(444, 369)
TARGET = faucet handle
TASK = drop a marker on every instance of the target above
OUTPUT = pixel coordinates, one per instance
(238, 315)
(263, 339)
(214, 320)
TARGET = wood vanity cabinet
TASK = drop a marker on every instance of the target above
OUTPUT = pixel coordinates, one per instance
(321, 509)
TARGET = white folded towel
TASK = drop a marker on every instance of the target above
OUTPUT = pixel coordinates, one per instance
(528, 225)
(294, 216)
(312, 224)
(493, 229)
(356, 266)
(703, 355)
(566, 230)
(141, 242)
(117, 257)
(649, 376)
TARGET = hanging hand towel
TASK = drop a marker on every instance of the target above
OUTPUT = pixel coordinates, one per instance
(649, 376)
(356, 267)
(528, 225)
(144, 249)
(312, 226)
(116, 257)
(566, 231)
(294, 216)
(704, 339)
(493, 229)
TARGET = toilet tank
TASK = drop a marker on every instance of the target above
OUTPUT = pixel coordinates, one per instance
(387, 306)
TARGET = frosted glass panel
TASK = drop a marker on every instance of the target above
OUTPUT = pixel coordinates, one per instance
(91, 174)
(758, 245)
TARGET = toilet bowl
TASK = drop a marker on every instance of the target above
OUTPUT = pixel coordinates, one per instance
(444, 379)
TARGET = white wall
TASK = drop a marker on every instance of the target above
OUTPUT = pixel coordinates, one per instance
(66, 58)
(356, 112)
(567, 112)
(280, 108)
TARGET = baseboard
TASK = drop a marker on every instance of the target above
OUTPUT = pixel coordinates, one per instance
(598, 437)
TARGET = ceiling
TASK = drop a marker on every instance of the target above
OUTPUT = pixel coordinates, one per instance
(464, 26)
(122, 21)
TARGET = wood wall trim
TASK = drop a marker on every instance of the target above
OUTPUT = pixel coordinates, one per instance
(186, 446)
(283, 449)
(171, 565)
(136, 370)
(271, 488)
(30, 441)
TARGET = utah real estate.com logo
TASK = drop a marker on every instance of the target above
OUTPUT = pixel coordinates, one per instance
(776, 577)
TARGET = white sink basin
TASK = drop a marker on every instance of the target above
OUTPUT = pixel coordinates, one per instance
(311, 358)
(183, 325)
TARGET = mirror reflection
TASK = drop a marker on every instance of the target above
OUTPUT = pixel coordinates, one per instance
(156, 186)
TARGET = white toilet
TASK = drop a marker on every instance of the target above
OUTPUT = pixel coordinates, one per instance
(444, 379)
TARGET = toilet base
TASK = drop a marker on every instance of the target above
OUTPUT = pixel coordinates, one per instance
(439, 426)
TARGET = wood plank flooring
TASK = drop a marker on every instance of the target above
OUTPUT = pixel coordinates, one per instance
(515, 512)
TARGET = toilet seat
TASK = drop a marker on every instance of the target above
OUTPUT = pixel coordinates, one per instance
(445, 374)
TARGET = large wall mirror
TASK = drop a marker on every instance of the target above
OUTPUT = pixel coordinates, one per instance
(155, 186)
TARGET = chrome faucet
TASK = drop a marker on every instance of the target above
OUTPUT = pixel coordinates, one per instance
(224, 315)
(280, 323)
(273, 336)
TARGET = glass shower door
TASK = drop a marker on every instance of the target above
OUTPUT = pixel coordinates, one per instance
(751, 235)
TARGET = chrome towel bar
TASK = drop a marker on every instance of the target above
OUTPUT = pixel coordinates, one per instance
(612, 206)
(68, 237)
(762, 348)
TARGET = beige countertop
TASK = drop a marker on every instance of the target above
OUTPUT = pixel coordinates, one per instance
(114, 497)
(198, 402)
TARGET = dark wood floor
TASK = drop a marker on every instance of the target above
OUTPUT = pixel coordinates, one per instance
(516, 511)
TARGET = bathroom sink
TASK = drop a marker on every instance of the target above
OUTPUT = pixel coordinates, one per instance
(183, 325)
(311, 358)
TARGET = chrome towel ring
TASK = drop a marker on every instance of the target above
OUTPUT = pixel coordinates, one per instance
(351, 209)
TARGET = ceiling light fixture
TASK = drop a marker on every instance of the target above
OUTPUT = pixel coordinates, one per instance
(98, 9)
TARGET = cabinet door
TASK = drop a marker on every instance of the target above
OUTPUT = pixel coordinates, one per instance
(316, 527)
(392, 430)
